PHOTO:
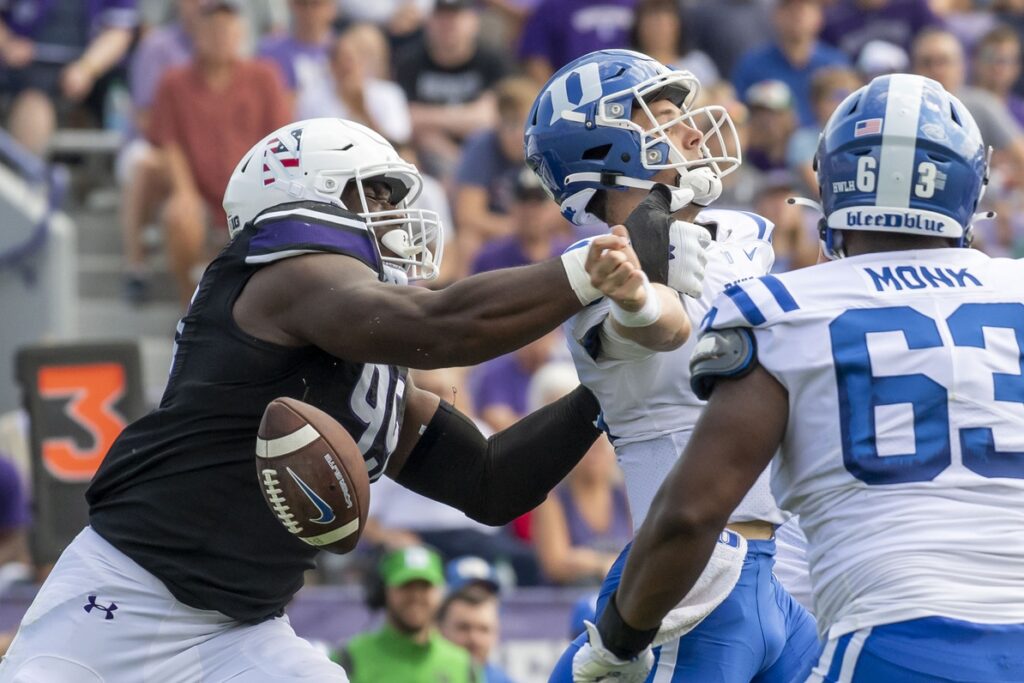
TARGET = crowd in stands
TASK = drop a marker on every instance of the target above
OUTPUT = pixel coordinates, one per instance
(450, 83)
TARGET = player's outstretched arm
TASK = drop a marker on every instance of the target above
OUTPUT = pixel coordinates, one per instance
(734, 440)
(337, 304)
(441, 454)
(642, 313)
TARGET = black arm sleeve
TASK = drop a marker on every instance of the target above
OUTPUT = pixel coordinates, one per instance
(495, 480)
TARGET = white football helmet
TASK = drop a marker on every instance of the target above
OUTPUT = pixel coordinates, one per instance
(315, 160)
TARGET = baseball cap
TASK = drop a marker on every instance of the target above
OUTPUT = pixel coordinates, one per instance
(879, 57)
(470, 569)
(414, 563)
(453, 4)
(211, 6)
(769, 94)
(528, 186)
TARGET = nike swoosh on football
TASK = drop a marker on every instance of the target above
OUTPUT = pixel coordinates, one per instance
(326, 513)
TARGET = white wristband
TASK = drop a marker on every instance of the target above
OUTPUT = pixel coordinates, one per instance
(648, 313)
(574, 262)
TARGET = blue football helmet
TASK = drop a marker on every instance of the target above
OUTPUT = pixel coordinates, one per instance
(580, 137)
(900, 155)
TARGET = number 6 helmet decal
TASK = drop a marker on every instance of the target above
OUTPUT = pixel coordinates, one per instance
(580, 136)
(900, 155)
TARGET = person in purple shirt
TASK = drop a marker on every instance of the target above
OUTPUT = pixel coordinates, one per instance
(852, 24)
(793, 57)
(301, 55)
(559, 31)
(52, 53)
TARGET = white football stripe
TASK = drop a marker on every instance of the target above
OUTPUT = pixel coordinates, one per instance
(283, 445)
(331, 536)
(899, 133)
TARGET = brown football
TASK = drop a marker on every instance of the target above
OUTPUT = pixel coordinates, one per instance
(312, 475)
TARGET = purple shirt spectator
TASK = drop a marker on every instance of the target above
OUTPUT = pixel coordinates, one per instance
(301, 64)
(562, 30)
(726, 29)
(850, 27)
(502, 381)
(161, 49)
(612, 539)
(14, 513)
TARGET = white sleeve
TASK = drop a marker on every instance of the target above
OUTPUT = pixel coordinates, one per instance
(591, 330)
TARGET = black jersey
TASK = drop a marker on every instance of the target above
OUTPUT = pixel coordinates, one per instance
(178, 491)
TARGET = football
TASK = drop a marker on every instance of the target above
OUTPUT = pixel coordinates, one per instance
(312, 475)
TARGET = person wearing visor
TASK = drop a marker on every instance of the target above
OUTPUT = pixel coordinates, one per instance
(184, 572)
(629, 147)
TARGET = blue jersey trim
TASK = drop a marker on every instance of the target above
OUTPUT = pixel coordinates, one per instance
(709, 318)
(762, 226)
(785, 300)
(746, 305)
(837, 657)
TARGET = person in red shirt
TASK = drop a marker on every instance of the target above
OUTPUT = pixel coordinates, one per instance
(206, 115)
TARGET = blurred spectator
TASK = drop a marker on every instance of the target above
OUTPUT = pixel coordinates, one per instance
(469, 618)
(500, 386)
(407, 647)
(491, 161)
(852, 24)
(878, 58)
(559, 31)
(1011, 13)
(965, 19)
(53, 55)
(301, 54)
(472, 571)
(658, 32)
(584, 523)
(794, 241)
(727, 29)
(794, 56)
(829, 88)
(997, 68)
(772, 122)
(351, 93)
(937, 54)
(262, 17)
(539, 232)
(207, 114)
(448, 78)
(372, 47)
(146, 179)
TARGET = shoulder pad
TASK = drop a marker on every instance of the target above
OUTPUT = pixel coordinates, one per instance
(729, 352)
(308, 228)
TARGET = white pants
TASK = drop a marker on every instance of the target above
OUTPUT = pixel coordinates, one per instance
(101, 618)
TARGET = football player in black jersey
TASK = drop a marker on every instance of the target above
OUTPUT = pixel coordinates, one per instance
(184, 572)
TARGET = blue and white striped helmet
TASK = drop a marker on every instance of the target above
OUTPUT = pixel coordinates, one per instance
(901, 155)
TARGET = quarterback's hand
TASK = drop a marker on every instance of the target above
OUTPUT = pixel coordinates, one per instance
(670, 251)
(594, 663)
(617, 273)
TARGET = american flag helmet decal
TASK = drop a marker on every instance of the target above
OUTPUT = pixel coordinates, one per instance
(281, 157)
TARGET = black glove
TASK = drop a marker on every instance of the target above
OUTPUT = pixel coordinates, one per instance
(648, 227)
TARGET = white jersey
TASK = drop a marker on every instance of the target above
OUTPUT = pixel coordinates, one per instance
(904, 452)
(646, 403)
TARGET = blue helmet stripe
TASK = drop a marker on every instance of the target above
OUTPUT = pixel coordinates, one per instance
(782, 296)
(746, 305)
(899, 141)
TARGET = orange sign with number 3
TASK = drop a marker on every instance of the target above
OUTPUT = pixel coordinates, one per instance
(91, 391)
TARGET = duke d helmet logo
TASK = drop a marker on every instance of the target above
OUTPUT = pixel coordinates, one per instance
(109, 609)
